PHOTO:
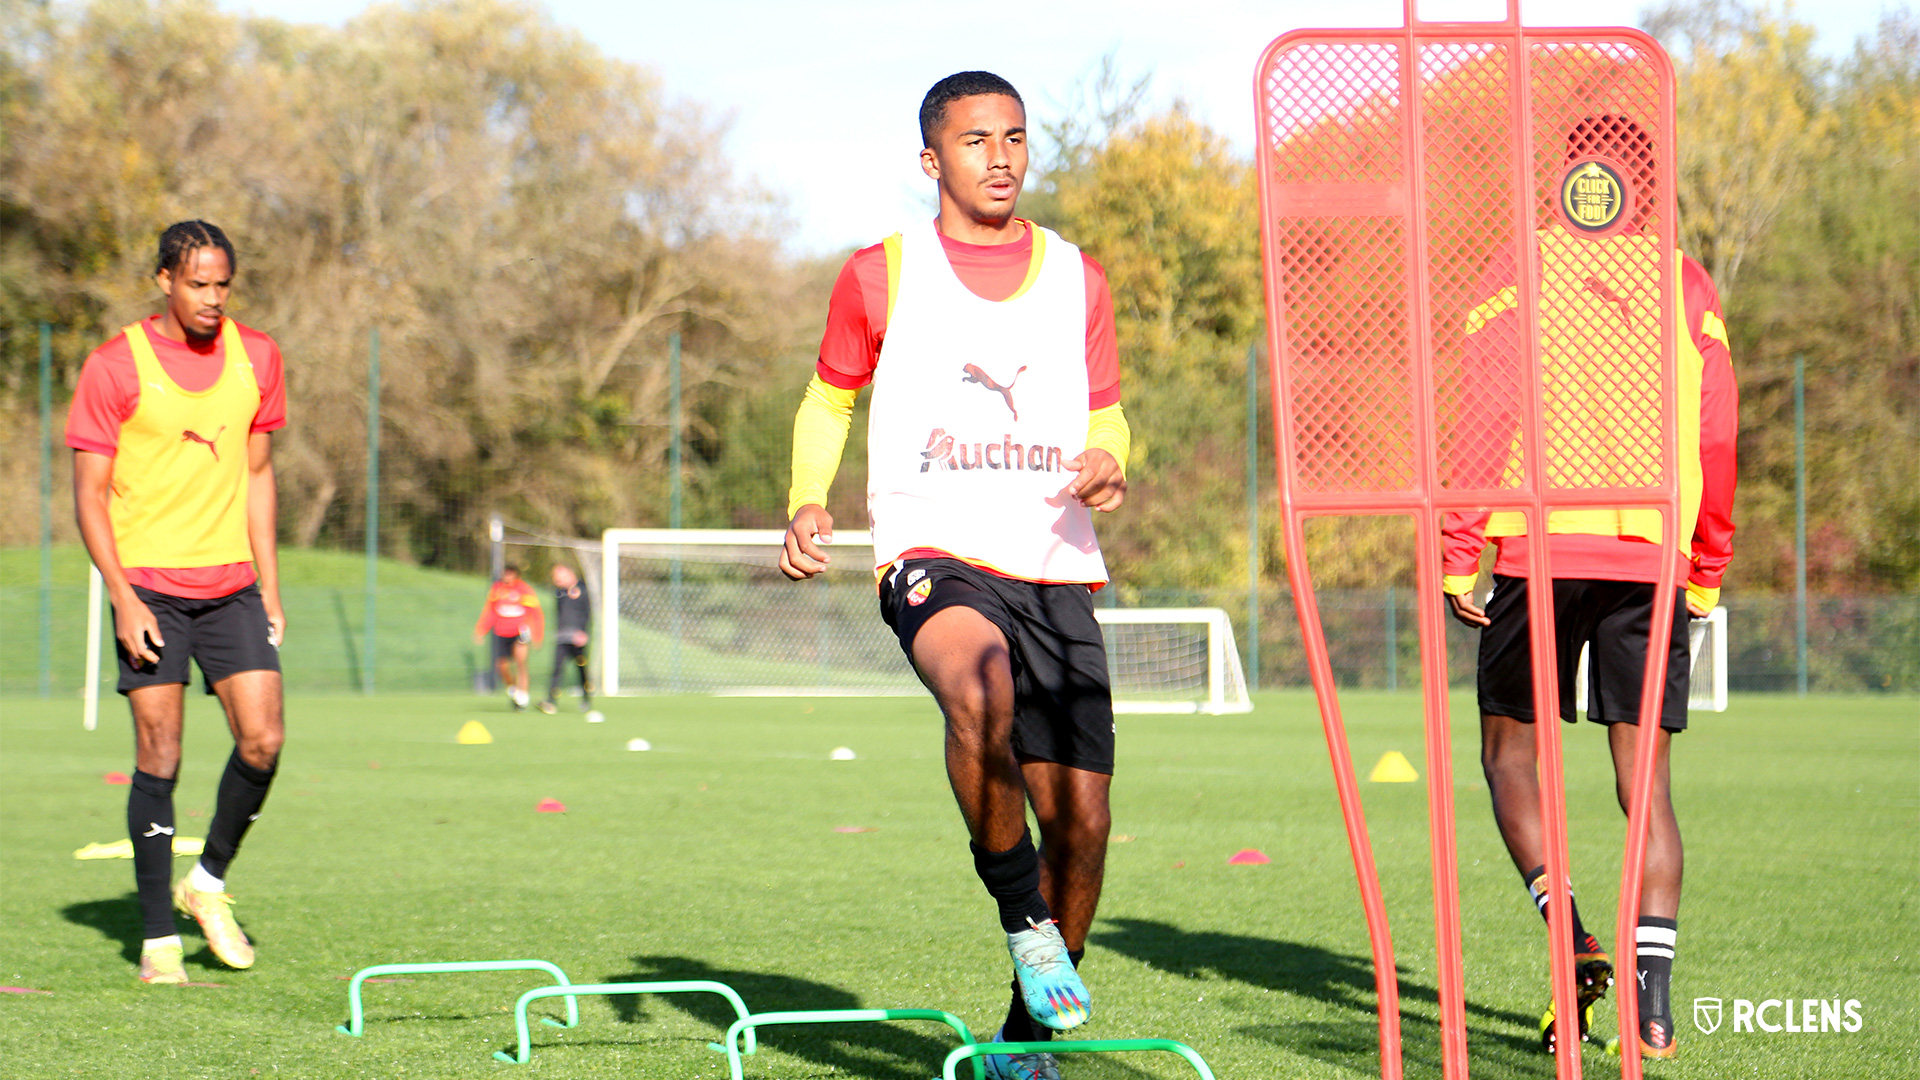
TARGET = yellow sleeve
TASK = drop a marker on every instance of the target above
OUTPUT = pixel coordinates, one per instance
(1107, 430)
(1458, 584)
(819, 435)
(1703, 598)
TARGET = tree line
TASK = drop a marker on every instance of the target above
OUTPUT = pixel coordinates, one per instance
(526, 221)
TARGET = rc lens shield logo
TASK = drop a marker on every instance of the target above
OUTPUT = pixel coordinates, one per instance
(1593, 197)
(1801, 1016)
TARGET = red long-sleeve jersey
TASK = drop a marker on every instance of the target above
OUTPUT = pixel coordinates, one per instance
(1577, 550)
(510, 608)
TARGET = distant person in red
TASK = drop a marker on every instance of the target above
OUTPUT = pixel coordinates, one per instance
(512, 619)
(174, 491)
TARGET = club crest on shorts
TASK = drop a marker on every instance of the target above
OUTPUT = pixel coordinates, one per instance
(919, 593)
(1594, 198)
(916, 576)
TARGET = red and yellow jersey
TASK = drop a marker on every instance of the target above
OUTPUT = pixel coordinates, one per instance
(511, 608)
(177, 417)
(1616, 545)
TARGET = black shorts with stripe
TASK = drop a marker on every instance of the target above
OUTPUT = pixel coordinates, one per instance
(225, 635)
(1612, 619)
(1062, 700)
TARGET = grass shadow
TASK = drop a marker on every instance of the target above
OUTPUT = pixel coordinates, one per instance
(879, 1051)
(1337, 979)
(117, 919)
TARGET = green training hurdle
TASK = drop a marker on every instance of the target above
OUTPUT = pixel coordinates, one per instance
(687, 986)
(847, 1016)
(1086, 1046)
(357, 1024)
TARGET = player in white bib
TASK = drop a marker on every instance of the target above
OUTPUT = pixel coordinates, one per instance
(995, 430)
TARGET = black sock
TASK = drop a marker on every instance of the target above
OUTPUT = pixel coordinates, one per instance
(1653, 945)
(243, 789)
(150, 826)
(1012, 878)
(1537, 888)
(1020, 1026)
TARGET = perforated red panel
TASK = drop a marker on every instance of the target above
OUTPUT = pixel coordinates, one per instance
(1472, 288)
(1410, 291)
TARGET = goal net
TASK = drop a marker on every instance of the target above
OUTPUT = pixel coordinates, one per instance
(707, 611)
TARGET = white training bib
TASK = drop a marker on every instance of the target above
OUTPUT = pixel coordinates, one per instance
(977, 406)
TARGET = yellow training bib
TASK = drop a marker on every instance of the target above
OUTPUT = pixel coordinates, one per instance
(180, 474)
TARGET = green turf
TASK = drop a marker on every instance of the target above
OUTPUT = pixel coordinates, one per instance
(715, 855)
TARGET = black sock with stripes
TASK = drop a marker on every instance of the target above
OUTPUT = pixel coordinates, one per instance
(1536, 880)
(1653, 943)
(1020, 1026)
(150, 827)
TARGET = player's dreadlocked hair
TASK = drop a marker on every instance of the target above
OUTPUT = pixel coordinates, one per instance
(933, 108)
(183, 238)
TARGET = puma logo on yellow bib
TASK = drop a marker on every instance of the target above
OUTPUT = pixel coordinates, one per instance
(171, 506)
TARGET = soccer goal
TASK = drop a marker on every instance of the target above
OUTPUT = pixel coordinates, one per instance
(1707, 686)
(707, 611)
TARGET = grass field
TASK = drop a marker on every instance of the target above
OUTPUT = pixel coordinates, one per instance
(716, 856)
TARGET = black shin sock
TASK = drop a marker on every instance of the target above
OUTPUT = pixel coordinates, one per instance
(243, 789)
(1537, 888)
(150, 826)
(1653, 943)
(1019, 1026)
(1012, 878)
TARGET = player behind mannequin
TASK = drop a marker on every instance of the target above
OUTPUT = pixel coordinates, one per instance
(995, 428)
(511, 621)
(1605, 562)
(572, 615)
(174, 492)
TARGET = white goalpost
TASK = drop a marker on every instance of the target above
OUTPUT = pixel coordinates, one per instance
(1707, 641)
(707, 611)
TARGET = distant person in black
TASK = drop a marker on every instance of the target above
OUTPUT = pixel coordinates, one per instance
(572, 614)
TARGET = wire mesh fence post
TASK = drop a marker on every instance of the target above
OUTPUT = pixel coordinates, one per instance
(370, 650)
(673, 510)
(1253, 516)
(1393, 642)
(46, 510)
(1800, 523)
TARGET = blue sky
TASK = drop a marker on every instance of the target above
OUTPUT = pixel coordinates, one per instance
(822, 95)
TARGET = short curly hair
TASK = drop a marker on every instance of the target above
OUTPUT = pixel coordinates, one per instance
(933, 107)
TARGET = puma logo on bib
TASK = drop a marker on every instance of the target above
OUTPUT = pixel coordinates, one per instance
(190, 436)
(981, 378)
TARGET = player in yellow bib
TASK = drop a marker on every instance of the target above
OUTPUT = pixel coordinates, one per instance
(994, 431)
(174, 490)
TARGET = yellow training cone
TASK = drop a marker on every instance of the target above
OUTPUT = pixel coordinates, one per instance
(1394, 768)
(474, 733)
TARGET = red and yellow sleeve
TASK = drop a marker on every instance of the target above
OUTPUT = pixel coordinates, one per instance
(106, 395)
(1483, 437)
(1712, 547)
(486, 614)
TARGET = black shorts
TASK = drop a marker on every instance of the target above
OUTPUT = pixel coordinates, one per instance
(225, 635)
(503, 644)
(1062, 701)
(1612, 618)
